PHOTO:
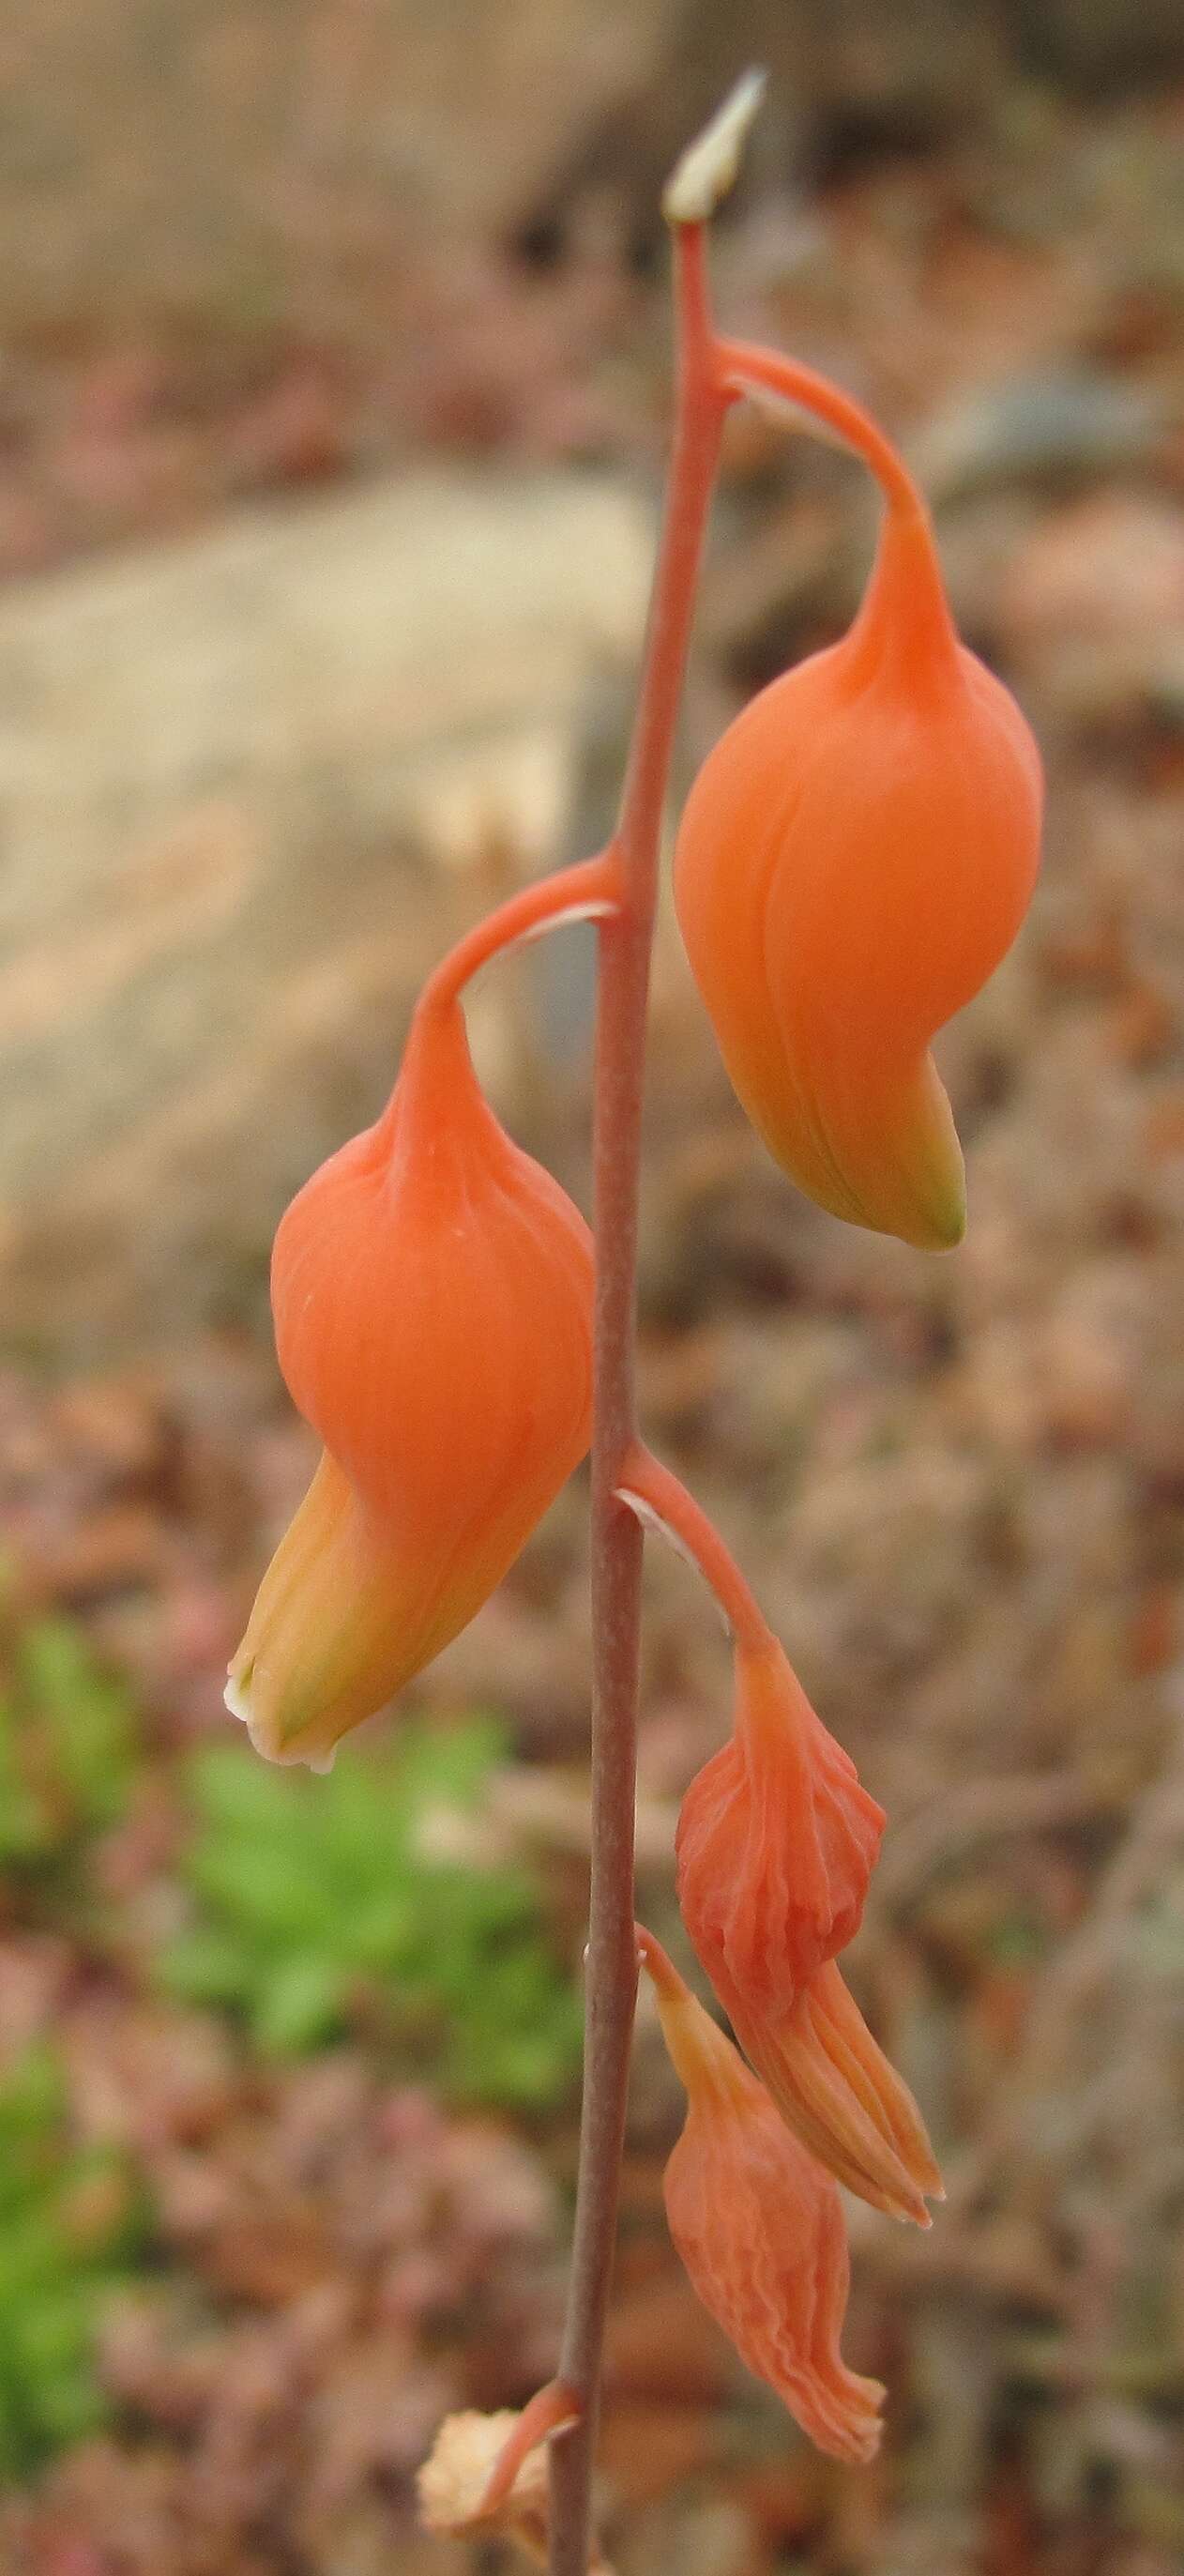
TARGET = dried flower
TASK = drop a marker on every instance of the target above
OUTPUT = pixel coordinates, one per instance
(854, 859)
(759, 2226)
(432, 1292)
(487, 2476)
(776, 1839)
(834, 2087)
(776, 1843)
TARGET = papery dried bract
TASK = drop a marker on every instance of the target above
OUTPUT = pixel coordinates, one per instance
(452, 2483)
(759, 2226)
(432, 1291)
(463, 2493)
(854, 859)
(776, 1840)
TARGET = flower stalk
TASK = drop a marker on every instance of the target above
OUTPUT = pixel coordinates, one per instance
(589, 891)
(626, 943)
(852, 861)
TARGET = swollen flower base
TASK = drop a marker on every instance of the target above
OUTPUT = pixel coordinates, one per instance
(852, 863)
(855, 857)
(432, 1292)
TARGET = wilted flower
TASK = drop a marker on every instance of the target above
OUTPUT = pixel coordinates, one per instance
(834, 2087)
(759, 2226)
(776, 1843)
(776, 1839)
(487, 2476)
(432, 1292)
(854, 859)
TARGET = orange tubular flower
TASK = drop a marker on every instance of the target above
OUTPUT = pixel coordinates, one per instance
(776, 1843)
(836, 2090)
(432, 1292)
(760, 2229)
(854, 859)
(777, 1839)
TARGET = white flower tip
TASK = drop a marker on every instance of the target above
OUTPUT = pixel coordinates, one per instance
(237, 1696)
(708, 167)
(237, 1701)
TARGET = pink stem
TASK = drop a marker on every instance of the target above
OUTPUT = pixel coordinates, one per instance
(551, 2410)
(743, 366)
(588, 892)
(626, 943)
(645, 1481)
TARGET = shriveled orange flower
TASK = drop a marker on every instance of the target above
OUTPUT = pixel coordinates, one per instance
(834, 2087)
(776, 1843)
(432, 1292)
(777, 1839)
(759, 2226)
(855, 857)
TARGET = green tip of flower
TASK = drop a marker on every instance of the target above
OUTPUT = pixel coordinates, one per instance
(945, 1225)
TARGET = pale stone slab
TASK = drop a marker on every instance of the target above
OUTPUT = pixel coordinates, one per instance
(229, 770)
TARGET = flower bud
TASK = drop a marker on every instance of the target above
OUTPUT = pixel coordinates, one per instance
(759, 2226)
(432, 1293)
(776, 1840)
(854, 859)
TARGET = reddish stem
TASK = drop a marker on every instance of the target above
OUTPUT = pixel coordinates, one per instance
(626, 944)
(587, 892)
(744, 367)
(645, 1482)
(551, 2410)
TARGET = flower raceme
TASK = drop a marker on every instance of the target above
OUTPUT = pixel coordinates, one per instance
(759, 2227)
(432, 1293)
(776, 1843)
(854, 858)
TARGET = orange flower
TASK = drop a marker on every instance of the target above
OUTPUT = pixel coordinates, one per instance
(835, 2089)
(776, 1843)
(760, 2229)
(777, 1839)
(432, 1292)
(854, 859)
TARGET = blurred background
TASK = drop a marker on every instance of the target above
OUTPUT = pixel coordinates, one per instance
(334, 393)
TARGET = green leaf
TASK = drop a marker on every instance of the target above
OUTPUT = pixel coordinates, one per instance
(63, 2248)
(300, 2006)
(301, 1887)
